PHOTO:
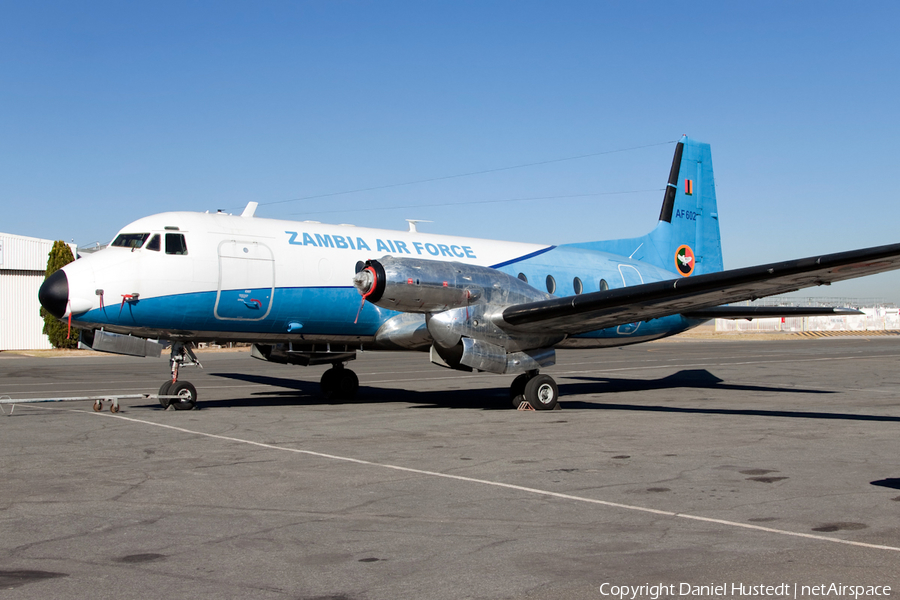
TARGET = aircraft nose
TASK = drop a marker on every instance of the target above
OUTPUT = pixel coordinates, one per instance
(54, 294)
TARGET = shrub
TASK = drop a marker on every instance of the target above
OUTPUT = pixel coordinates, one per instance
(56, 330)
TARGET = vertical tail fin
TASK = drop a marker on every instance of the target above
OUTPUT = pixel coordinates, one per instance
(686, 240)
(689, 219)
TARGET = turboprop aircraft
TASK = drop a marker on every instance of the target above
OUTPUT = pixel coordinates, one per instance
(307, 293)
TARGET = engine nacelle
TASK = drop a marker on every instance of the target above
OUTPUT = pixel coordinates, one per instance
(430, 286)
(461, 303)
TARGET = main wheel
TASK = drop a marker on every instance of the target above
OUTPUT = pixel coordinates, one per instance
(329, 382)
(347, 385)
(164, 391)
(517, 389)
(187, 395)
(541, 393)
(339, 383)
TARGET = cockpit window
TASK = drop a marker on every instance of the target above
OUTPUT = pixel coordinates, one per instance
(175, 243)
(130, 240)
(153, 244)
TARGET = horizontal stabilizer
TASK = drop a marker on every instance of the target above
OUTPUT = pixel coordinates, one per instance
(765, 312)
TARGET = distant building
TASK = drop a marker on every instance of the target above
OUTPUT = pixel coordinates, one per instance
(23, 264)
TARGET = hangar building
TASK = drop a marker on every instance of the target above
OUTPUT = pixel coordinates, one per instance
(23, 264)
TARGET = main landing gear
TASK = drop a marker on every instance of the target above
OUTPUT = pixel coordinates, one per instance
(181, 356)
(539, 391)
(339, 383)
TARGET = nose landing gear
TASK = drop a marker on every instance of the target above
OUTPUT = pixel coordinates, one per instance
(185, 393)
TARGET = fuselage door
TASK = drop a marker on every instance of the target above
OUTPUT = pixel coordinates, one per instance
(630, 276)
(246, 281)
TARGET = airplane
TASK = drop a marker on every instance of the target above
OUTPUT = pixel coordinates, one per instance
(307, 293)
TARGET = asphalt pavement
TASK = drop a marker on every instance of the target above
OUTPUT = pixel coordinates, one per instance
(686, 463)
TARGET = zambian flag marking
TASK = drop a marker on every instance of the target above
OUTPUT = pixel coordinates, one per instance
(688, 187)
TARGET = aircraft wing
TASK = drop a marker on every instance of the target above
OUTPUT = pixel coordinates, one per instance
(693, 295)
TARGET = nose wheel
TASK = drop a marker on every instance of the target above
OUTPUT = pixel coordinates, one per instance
(185, 392)
(539, 391)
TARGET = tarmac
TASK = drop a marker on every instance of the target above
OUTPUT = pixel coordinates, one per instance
(700, 467)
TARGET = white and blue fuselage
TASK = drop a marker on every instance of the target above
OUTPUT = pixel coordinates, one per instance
(200, 277)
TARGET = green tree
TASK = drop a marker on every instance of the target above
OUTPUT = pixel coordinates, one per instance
(56, 330)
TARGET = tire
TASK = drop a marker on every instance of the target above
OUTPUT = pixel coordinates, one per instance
(517, 389)
(542, 393)
(347, 385)
(329, 382)
(187, 393)
(164, 391)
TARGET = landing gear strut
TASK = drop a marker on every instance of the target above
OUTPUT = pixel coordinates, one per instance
(339, 383)
(181, 355)
(539, 391)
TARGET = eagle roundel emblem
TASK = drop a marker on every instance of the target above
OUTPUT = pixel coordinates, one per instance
(684, 260)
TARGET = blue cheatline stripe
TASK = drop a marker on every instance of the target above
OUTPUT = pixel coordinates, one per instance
(322, 311)
(521, 258)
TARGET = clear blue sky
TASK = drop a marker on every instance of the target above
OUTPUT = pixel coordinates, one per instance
(110, 111)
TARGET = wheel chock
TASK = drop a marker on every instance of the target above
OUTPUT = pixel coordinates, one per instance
(525, 406)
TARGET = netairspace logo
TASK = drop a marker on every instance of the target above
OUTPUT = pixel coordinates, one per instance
(738, 590)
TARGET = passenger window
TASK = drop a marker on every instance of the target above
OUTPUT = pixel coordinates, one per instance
(153, 244)
(551, 284)
(603, 285)
(579, 287)
(175, 243)
(523, 277)
(130, 240)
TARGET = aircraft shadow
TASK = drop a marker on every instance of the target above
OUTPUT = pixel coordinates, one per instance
(689, 378)
(792, 414)
(892, 483)
(306, 393)
(696, 379)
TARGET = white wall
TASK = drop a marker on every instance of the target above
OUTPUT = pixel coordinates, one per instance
(23, 263)
(20, 319)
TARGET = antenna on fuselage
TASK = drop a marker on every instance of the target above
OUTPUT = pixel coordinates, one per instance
(413, 222)
(250, 210)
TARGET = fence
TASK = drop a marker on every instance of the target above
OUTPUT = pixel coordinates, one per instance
(877, 318)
